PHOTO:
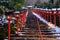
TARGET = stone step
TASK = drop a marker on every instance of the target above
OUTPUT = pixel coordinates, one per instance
(36, 35)
(33, 38)
(15, 38)
(31, 33)
(38, 32)
(24, 29)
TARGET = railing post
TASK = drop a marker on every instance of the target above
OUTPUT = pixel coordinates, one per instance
(38, 27)
(50, 18)
(55, 18)
(47, 17)
(39, 32)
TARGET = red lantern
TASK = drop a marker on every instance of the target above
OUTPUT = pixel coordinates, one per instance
(17, 15)
(8, 18)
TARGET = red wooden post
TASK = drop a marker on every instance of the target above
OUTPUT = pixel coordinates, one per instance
(39, 32)
(47, 17)
(9, 19)
(38, 28)
(40, 13)
(59, 19)
(59, 16)
(50, 16)
(55, 18)
(43, 15)
(8, 30)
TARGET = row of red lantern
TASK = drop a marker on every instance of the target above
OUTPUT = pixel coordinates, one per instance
(21, 15)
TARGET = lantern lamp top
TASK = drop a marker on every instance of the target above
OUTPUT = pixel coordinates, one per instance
(17, 15)
(8, 17)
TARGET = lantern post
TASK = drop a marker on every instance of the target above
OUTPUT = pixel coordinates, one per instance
(17, 21)
(9, 19)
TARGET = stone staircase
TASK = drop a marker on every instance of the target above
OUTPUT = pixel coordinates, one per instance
(30, 34)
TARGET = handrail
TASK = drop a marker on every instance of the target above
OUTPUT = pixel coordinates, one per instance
(38, 27)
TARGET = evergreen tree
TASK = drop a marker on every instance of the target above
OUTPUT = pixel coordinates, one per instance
(10, 4)
(18, 4)
(51, 1)
(57, 4)
(38, 3)
(1, 11)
